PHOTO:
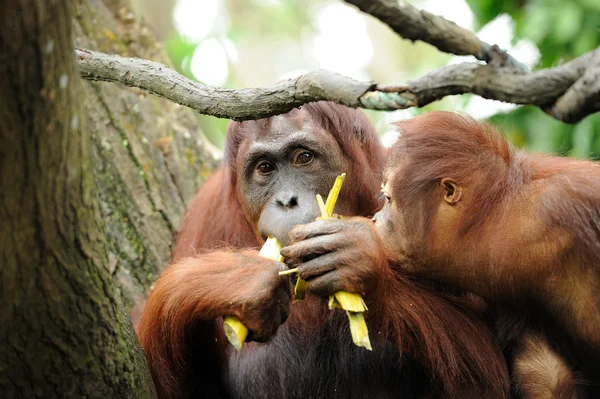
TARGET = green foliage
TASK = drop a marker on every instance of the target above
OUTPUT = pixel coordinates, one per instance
(530, 128)
(178, 48)
(562, 30)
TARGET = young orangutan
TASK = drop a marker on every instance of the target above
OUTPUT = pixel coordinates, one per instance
(466, 209)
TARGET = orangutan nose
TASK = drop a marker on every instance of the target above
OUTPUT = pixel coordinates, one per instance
(287, 200)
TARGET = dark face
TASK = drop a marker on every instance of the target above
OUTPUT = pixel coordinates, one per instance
(282, 170)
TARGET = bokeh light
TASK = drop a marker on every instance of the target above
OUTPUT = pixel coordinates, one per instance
(194, 19)
(342, 43)
(209, 63)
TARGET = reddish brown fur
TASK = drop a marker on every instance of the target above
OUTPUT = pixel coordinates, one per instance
(434, 332)
(167, 344)
(526, 232)
(443, 144)
(455, 357)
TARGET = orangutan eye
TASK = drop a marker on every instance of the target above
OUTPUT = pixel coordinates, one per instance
(304, 158)
(382, 196)
(265, 168)
(384, 191)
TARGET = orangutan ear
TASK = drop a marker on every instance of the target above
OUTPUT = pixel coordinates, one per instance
(452, 190)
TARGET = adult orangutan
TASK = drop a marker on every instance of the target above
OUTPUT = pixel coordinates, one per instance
(426, 343)
(466, 209)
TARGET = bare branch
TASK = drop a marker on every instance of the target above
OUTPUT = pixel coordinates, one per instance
(541, 88)
(239, 104)
(414, 24)
(583, 98)
(497, 82)
(568, 92)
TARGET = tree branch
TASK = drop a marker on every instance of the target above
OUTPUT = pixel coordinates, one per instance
(583, 97)
(414, 24)
(495, 81)
(239, 104)
(541, 88)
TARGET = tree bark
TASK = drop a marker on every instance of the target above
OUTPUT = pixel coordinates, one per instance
(63, 329)
(149, 157)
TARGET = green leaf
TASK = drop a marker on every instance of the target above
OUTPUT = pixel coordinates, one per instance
(534, 23)
(567, 22)
(591, 5)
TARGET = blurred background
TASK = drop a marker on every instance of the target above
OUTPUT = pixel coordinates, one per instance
(250, 43)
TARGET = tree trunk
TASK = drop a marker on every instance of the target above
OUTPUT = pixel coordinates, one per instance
(148, 156)
(63, 330)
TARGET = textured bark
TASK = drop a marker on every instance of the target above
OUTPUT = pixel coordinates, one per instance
(239, 104)
(63, 331)
(414, 24)
(497, 80)
(583, 98)
(411, 23)
(149, 157)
